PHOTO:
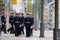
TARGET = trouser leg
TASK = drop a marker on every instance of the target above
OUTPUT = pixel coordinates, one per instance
(27, 31)
(12, 29)
(16, 30)
(3, 28)
(9, 29)
(22, 29)
(31, 31)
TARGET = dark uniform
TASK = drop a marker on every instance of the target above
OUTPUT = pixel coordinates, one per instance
(22, 27)
(17, 22)
(28, 24)
(3, 19)
(22, 23)
(11, 21)
(32, 19)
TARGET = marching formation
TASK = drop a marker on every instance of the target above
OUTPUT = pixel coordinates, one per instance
(18, 22)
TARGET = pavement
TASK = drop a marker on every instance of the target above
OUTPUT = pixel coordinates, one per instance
(36, 34)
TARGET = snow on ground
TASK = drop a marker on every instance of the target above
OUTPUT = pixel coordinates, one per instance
(36, 34)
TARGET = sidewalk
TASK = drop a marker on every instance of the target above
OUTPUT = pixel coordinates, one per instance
(48, 36)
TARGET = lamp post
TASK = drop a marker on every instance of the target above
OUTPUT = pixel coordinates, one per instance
(56, 32)
(42, 22)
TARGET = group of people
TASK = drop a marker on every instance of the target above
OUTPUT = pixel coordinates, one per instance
(18, 22)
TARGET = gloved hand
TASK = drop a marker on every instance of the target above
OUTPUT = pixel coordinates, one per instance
(2, 23)
(32, 26)
(20, 25)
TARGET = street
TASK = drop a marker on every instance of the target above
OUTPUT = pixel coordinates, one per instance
(36, 34)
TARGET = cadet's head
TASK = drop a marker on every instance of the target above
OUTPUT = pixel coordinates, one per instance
(29, 14)
(17, 14)
(21, 14)
(12, 14)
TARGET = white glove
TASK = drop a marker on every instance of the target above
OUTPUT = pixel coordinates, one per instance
(20, 25)
(31, 26)
(3, 23)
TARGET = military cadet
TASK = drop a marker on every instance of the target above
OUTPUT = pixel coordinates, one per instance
(20, 16)
(3, 20)
(11, 21)
(22, 23)
(17, 24)
(28, 24)
(32, 24)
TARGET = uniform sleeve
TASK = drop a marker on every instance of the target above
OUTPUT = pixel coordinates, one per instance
(32, 21)
(24, 20)
(14, 20)
(3, 19)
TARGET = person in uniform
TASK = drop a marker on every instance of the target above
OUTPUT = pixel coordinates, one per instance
(17, 22)
(3, 20)
(32, 24)
(22, 23)
(11, 21)
(28, 24)
(20, 16)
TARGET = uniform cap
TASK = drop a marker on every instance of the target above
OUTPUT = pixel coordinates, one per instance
(12, 13)
(29, 13)
(20, 13)
(17, 13)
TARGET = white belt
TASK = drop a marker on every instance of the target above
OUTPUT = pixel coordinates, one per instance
(28, 22)
(17, 22)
